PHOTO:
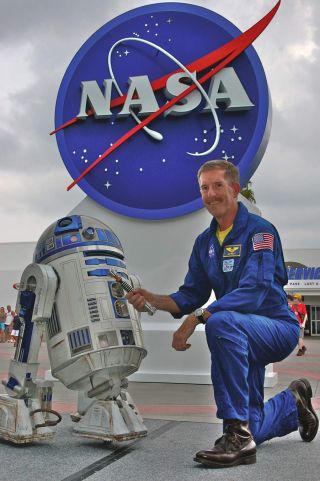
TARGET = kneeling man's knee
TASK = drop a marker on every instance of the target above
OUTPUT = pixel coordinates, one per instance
(220, 322)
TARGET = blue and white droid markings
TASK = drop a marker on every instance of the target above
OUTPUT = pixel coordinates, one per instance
(93, 336)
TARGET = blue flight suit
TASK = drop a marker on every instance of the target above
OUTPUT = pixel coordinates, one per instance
(251, 324)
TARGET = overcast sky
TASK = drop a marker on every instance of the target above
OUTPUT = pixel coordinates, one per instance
(38, 39)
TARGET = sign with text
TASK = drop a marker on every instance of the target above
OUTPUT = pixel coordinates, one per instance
(303, 277)
(151, 96)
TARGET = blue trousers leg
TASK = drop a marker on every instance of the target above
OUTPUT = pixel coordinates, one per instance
(241, 346)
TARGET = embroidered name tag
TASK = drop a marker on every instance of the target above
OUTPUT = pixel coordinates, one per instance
(232, 251)
(227, 265)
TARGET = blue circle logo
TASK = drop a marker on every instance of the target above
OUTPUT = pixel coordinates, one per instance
(150, 97)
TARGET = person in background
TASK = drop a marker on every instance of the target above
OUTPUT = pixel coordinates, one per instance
(300, 310)
(290, 300)
(2, 321)
(8, 323)
(16, 326)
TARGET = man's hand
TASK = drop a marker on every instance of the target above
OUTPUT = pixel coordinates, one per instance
(138, 297)
(180, 337)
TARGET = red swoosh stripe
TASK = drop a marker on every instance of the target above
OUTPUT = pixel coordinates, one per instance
(226, 54)
(198, 65)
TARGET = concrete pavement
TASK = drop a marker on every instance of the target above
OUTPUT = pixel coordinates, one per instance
(180, 419)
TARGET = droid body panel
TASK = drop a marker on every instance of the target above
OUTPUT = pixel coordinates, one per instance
(93, 329)
(93, 334)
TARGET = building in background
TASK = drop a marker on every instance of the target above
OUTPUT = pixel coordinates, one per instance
(303, 267)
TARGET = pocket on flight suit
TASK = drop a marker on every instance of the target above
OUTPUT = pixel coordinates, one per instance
(266, 267)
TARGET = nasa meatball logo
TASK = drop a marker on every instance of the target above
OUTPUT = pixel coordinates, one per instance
(151, 96)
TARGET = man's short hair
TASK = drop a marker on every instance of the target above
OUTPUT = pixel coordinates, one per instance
(231, 172)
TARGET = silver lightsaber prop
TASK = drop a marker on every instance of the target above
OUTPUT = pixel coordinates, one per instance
(148, 307)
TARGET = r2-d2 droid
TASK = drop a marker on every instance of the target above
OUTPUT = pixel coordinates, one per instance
(74, 295)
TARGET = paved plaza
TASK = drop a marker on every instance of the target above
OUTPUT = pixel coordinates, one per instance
(180, 420)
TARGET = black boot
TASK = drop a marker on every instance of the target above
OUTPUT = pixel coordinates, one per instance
(235, 447)
(308, 420)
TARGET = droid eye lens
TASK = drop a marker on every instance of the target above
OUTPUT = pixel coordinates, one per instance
(88, 233)
(65, 222)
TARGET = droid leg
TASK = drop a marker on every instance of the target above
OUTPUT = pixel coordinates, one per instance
(25, 412)
(108, 420)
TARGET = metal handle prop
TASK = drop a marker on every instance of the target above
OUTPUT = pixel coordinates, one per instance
(150, 309)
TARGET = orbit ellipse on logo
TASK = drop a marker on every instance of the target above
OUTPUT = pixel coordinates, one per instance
(152, 175)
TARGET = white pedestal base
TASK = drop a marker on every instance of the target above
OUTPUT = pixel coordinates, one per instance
(164, 364)
(271, 378)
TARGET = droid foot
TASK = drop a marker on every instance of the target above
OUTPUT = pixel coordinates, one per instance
(20, 424)
(114, 420)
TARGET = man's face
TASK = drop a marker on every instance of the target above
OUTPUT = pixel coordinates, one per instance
(9, 308)
(218, 195)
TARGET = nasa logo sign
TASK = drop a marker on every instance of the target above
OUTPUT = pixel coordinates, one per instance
(150, 97)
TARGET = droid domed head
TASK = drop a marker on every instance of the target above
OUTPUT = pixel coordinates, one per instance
(74, 233)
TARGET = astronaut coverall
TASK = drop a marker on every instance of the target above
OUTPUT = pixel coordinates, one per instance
(251, 324)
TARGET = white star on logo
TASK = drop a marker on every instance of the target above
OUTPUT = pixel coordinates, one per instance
(234, 129)
(107, 185)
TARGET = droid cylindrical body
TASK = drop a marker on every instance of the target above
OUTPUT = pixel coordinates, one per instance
(94, 335)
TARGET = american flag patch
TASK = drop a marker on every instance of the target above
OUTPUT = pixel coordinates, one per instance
(263, 240)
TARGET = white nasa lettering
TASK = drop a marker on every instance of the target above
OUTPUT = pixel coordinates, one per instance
(140, 94)
(225, 88)
(176, 84)
(92, 96)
